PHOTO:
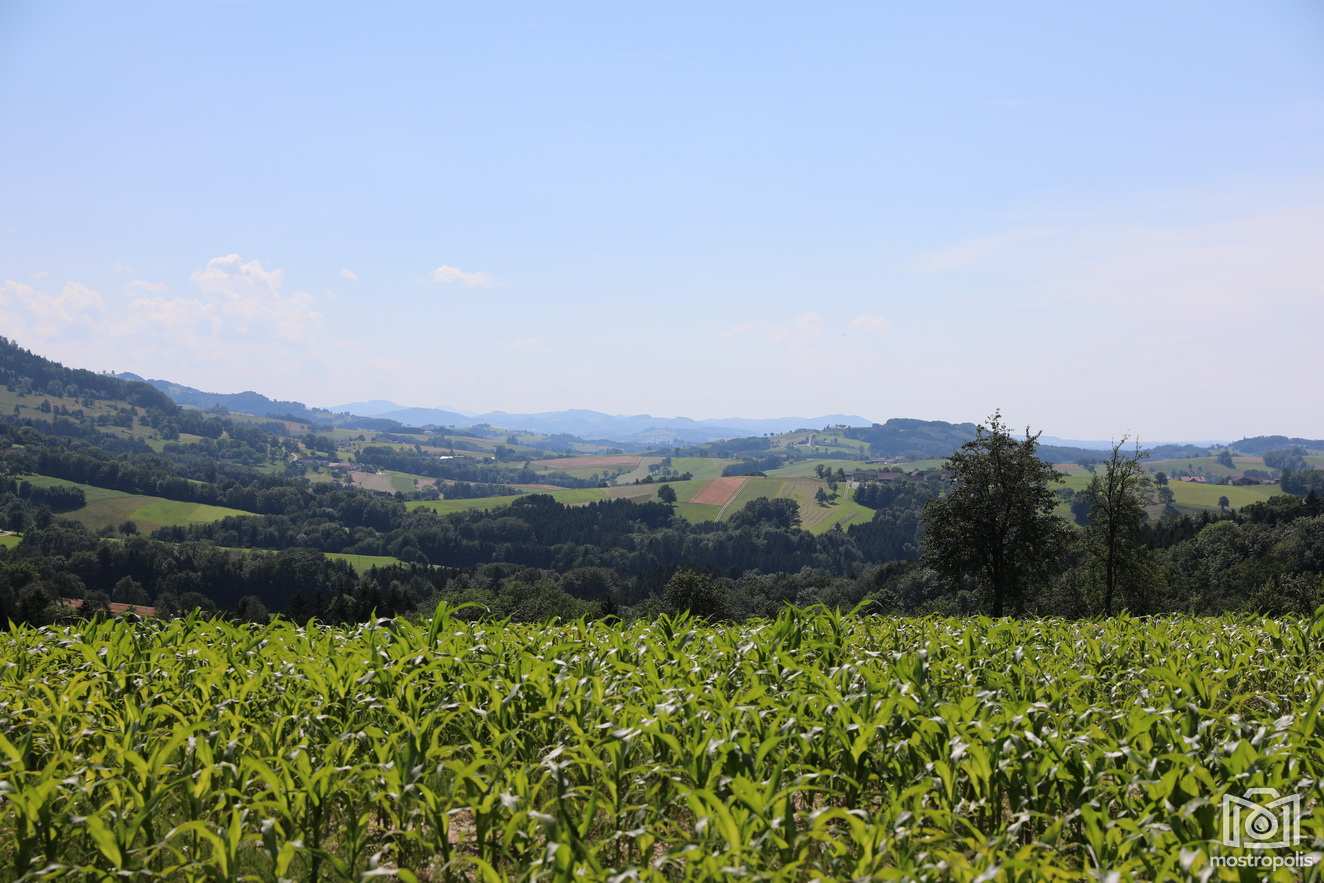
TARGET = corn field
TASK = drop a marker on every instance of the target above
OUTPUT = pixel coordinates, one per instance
(817, 745)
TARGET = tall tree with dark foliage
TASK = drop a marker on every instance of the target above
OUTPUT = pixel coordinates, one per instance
(997, 522)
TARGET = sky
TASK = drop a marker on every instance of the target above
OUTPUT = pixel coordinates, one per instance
(1101, 219)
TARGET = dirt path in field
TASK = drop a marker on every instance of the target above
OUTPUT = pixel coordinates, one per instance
(719, 491)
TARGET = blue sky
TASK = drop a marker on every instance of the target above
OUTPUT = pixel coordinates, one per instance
(1102, 220)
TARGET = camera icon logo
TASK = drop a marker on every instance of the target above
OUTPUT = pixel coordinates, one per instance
(1262, 819)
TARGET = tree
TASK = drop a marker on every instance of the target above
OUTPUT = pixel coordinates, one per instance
(998, 522)
(781, 512)
(1114, 535)
(696, 592)
(251, 609)
(822, 498)
(1225, 459)
(129, 591)
(1224, 503)
(667, 494)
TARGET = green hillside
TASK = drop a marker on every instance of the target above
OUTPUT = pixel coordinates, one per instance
(111, 508)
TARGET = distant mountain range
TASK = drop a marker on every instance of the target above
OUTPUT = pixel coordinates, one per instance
(634, 429)
(639, 429)
(896, 437)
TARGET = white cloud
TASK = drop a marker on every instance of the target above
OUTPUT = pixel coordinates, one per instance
(869, 324)
(223, 274)
(448, 275)
(185, 316)
(349, 275)
(31, 312)
(247, 299)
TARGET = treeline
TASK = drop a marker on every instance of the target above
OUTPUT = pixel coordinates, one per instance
(467, 469)
(26, 372)
(645, 543)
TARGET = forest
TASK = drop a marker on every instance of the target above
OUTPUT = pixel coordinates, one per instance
(934, 543)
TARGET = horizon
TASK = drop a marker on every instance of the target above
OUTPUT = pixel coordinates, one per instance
(1101, 228)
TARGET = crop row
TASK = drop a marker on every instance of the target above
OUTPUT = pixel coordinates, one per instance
(815, 745)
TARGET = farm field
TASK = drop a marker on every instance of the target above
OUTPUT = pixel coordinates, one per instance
(390, 481)
(1194, 495)
(809, 442)
(701, 467)
(920, 465)
(814, 746)
(591, 466)
(815, 518)
(805, 468)
(719, 491)
(363, 563)
(110, 508)
(639, 472)
(1207, 466)
(568, 496)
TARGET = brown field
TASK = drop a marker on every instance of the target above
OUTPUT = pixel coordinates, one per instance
(372, 481)
(719, 491)
(615, 461)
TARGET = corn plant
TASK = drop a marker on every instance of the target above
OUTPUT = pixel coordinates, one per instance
(818, 745)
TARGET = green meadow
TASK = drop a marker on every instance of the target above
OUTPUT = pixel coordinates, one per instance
(363, 563)
(814, 517)
(110, 508)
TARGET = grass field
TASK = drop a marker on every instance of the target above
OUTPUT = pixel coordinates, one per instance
(10, 540)
(809, 442)
(921, 465)
(1190, 496)
(639, 472)
(805, 468)
(1207, 466)
(592, 466)
(390, 481)
(1197, 496)
(363, 563)
(568, 496)
(360, 563)
(815, 518)
(701, 467)
(816, 746)
(110, 508)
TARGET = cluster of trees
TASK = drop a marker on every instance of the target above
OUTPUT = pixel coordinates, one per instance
(981, 535)
(27, 373)
(754, 465)
(417, 462)
(465, 490)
